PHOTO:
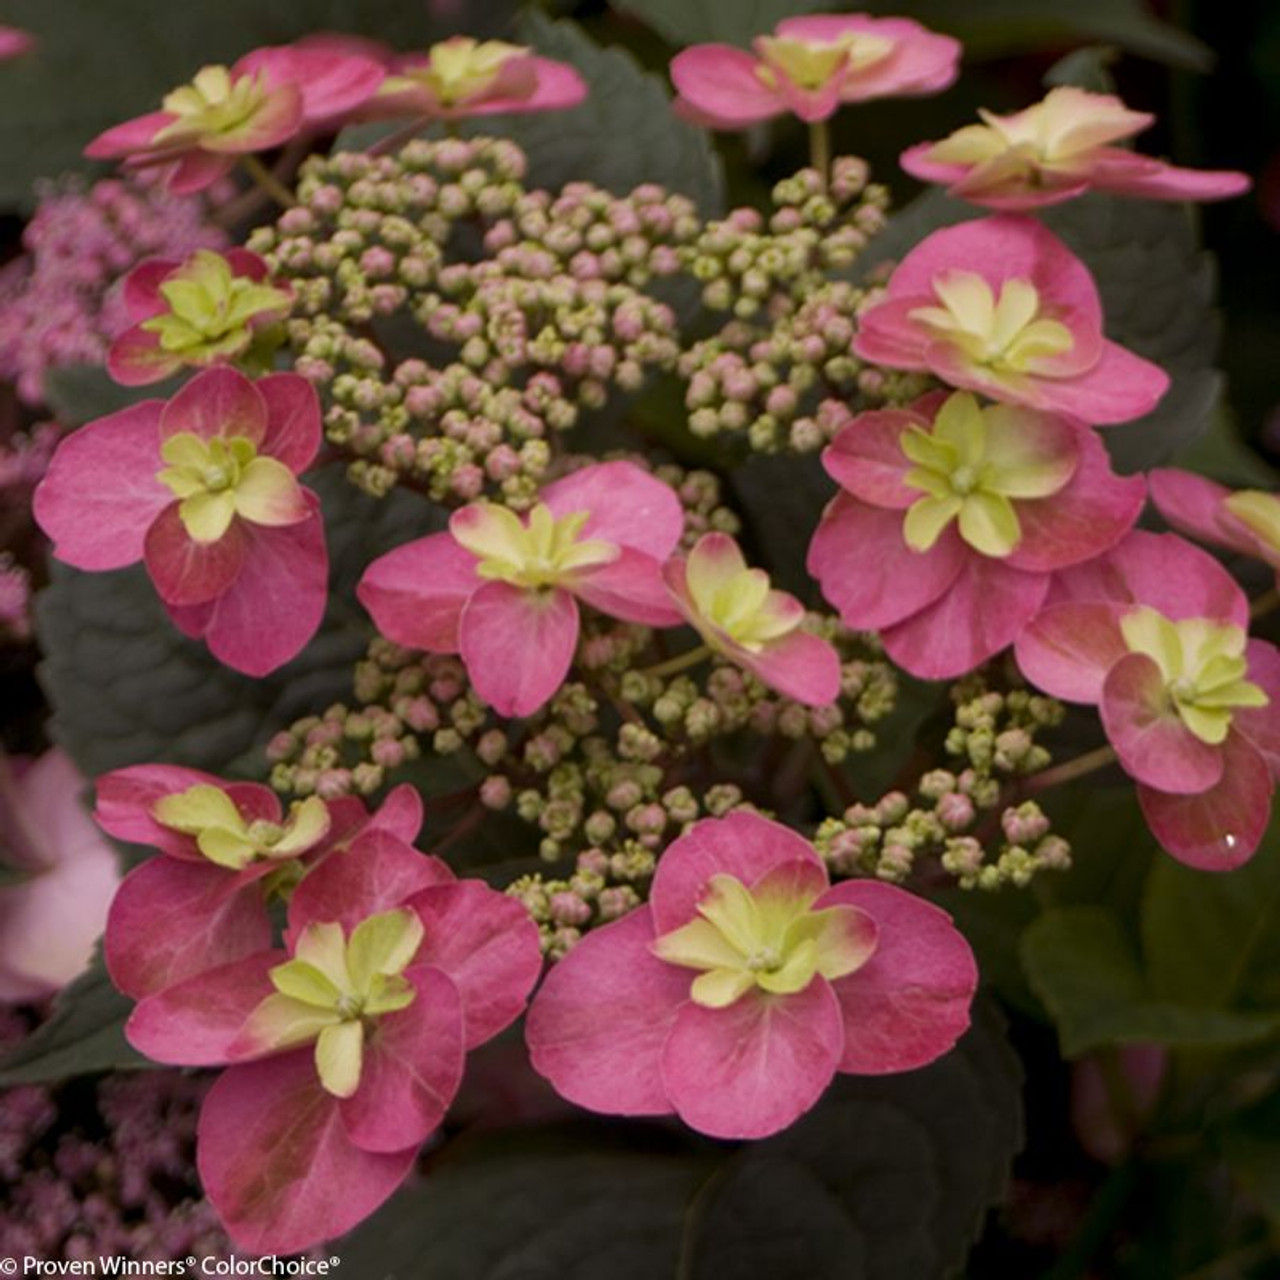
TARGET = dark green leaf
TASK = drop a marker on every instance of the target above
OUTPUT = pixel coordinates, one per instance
(1250, 1145)
(127, 687)
(103, 61)
(910, 1162)
(84, 1035)
(724, 21)
(1082, 965)
(78, 393)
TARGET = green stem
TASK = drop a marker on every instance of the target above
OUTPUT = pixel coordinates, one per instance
(681, 662)
(820, 150)
(1264, 604)
(1071, 770)
(268, 181)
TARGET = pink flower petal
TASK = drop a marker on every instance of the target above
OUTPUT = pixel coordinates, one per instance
(557, 87)
(1122, 173)
(100, 493)
(141, 291)
(1218, 829)
(753, 1068)
(379, 872)
(718, 86)
(1193, 505)
(799, 666)
(1120, 387)
(275, 605)
(128, 138)
(1068, 649)
(276, 1162)
(197, 171)
(411, 1068)
(334, 81)
(983, 612)
(218, 402)
(1084, 519)
(743, 845)
(596, 1027)
(50, 920)
(869, 573)
(195, 1023)
(909, 1003)
(628, 507)
(136, 359)
(1153, 744)
(416, 593)
(187, 572)
(1261, 725)
(866, 458)
(293, 430)
(631, 588)
(518, 645)
(171, 920)
(487, 945)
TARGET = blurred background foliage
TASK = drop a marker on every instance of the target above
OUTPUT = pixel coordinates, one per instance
(1132, 981)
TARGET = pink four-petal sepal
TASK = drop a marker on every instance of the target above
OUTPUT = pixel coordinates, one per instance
(666, 1012)
(203, 488)
(1002, 307)
(503, 590)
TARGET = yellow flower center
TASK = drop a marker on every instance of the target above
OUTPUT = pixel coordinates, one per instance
(971, 467)
(223, 835)
(210, 311)
(544, 552)
(1259, 512)
(768, 939)
(335, 989)
(811, 64)
(212, 104)
(462, 70)
(1203, 664)
(222, 478)
(1008, 334)
(734, 601)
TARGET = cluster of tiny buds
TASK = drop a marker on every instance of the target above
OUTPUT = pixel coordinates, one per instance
(994, 738)
(546, 322)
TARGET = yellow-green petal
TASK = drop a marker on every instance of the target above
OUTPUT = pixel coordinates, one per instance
(339, 1057)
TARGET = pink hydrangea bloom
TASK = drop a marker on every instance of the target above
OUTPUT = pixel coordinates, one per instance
(1155, 635)
(348, 1043)
(1243, 520)
(206, 309)
(738, 614)
(810, 67)
(1056, 150)
(58, 302)
(50, 920)
(502, 591)
(268, 97)
(226, 850)
(746, 983)
(953, 519)
(203, 488)
(462, 77)
(1001, 306)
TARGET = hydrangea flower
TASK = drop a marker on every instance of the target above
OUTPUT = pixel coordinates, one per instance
(1155, 635)
(502, 591)
(1243, 520)
(1056, 150)
(226, 850)
(738, 615)
(462, 77)
(810, 67)
(347, 1043)
(746, 983)
(1001, 306)
(952, 520)
(51, 917)
(203, 488)
(262, 101)
(208, 309)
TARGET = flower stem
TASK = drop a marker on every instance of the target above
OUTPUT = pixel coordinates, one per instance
(681, 662)
(1265, 604)
(1072, 769)
(268, 181)
(820, 150)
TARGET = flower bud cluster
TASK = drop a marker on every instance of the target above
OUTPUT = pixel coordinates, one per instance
(952, 816)
(531, 308)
